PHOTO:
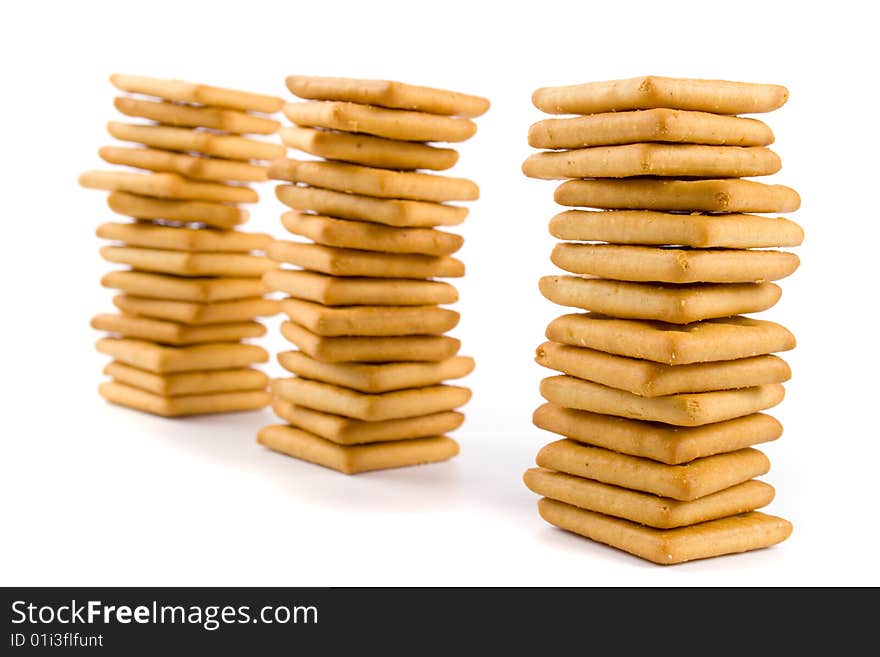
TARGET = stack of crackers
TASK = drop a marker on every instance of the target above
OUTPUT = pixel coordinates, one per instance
(365, 313)
(192, 288)
(662, 381)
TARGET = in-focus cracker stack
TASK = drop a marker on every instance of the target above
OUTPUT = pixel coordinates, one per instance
(366, 314)
(192, 288)
(662, 381)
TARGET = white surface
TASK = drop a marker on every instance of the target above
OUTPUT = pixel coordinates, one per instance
(94, 494)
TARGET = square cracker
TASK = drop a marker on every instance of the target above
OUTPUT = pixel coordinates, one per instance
(184, 140)
(361, 349)
(710, 195)
(650, 379)
(188, 263)
(151, 236)
(175, 333)
(199, 94)
(652, 440)
(352, 459)
(671, 160)
(187, 116)
(197, 290)
(391, 212)
(188, 383)
(167, 185)
(353, 262)
(352, 290)
(378, 183)
(628, 262)
(368, 150)
(216, 215)
(386, 93)
(731, 535)
(653, 125)
(645, 508)
(220, 402)
(160, 359)
(652, 91)
(370, 407)
(682, 409)
(370, 320)
(674, 344)
(195, 167)
(685, 482)
(733, 231)
(370, 236)
(348, 431)
(676, 304)
(375, 378)
(379, 121)
(188, 312)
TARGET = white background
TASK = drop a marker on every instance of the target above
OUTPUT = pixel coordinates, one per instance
(95, 494)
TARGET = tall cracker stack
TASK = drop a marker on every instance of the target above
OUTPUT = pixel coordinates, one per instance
(364, 311)
(662, 380)
(193, 285)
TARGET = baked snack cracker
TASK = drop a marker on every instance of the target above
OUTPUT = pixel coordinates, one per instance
(375, 378)
(708, 195)
(347, 291)
(391, 212)
(371, 349)
(218, 402)
(686, 482)
(358, 458)
(645, 508)
(348, 431)
(167, 360)
(740, 533)
(682, 409)
(231, 147)
(368, 150)
(166, 185)
(370, 236)
(673, 344)
(186, 263)
(174, 333)
(672, 160)
(677, 304)
(216, 215)
(372, 407)
(199, 94)
(370, 320)
(188, 383)
(192, 166)
(652, 91)
(386, 93)
(652, 125)
(187, 116)
(649, 379)
(379, 121)
(152, 236)
(379, 183)
(652, 440)
(733, 231)
(189, 312)
(351, 262)
(196, 290)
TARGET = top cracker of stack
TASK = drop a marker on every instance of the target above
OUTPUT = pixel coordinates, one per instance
(367, 391)
(193, 288)
(662, 381)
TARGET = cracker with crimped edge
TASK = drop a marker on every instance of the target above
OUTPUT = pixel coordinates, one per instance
(216, 215)
(184, 140)
(677, 304)
(195, 167)
(674, 344)
(175, 333)
(353, 290)
(189, 312)
(176, 288)
(187, 116)
(199, 94)
(356, 458)
(218, 402)
(188, 383)
(151, 236)
(162, 359)
(371, 349)
(370, 320)
(686, 482)
(167, 185)
(188, 263)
